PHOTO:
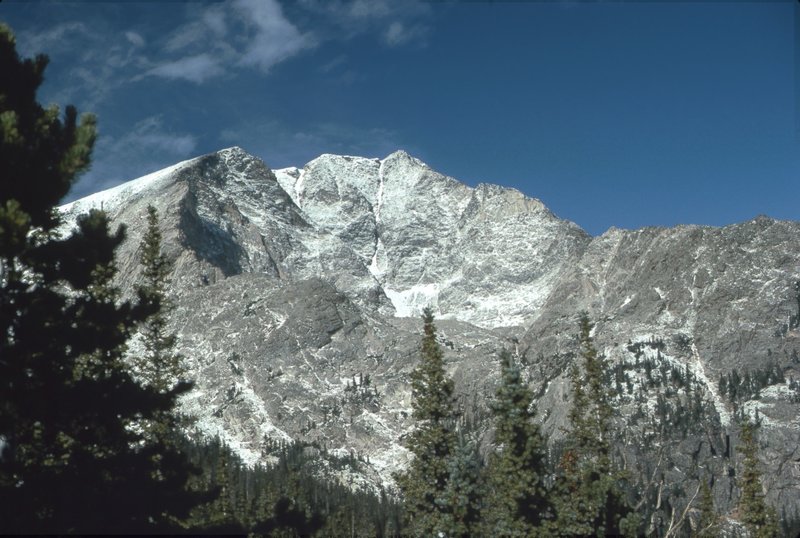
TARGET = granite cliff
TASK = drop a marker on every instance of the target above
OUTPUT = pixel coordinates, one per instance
(298, 293)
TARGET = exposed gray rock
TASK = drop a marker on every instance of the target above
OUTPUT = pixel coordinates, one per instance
(298, 292)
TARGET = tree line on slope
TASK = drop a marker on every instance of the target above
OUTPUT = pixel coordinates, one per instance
(88, 439)
(449, 490)
(289, 495)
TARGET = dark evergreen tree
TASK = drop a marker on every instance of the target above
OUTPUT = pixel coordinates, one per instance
(287, 499)
(72, 458)
(588, 499)
(708, 524)
(424, 483)
(465, 491)
(759, 518)
(517, 501)
(160, 367)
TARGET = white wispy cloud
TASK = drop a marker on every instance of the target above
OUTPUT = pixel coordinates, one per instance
(198, 68)
(205, 47)
(201, 32)
(338, 61)
(363, 9)
(394, 23)
(399, 33)
(189, 38)
(214, 19)
(32, 42)
(214, 40)
(99, 59)
(359, 11)
(135, 39)
(272, 37)
(149, 134)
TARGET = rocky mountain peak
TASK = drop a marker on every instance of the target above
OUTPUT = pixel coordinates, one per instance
(288, 283)
(234, 152)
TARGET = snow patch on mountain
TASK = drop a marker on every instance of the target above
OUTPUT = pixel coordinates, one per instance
(409, 303)
(111, 199)
(699, 370)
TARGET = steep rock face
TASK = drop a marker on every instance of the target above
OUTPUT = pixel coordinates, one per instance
(297, 292)
(729, 290)
(488, 255)
(225, 214)
(705, 300)
(299, 361)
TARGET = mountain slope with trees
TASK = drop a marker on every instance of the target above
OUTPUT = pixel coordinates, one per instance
(294, 298)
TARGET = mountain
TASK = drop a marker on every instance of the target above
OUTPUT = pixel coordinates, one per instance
(298, 293)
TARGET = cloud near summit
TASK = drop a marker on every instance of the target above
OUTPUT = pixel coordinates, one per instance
(272, 38)
(209, 41)
(198, 68)
(245, 33)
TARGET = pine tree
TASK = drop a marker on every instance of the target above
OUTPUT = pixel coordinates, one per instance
(759, 518)
(708, 524)
(517, 501)
(588, 499)
(160, 367)
(424, 483)
(72, 460)
(464, 493)
(222, 512)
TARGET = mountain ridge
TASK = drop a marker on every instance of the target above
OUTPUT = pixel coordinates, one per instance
(290, 283)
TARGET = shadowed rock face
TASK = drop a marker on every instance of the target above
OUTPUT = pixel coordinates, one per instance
(298, 292)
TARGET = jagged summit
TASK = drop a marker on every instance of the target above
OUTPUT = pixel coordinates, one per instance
(420, 232)
(288, 283)
(405, 233)
(392, 228)
(233, 150)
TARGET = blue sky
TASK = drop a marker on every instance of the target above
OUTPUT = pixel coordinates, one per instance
(622, 114)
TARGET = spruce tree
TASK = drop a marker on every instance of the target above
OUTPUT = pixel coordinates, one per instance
(160, 367)
(72, 458)
(708, 524)
(465, 491)
(517, 500)
(588, 500)
(759, 518)
(424, 483)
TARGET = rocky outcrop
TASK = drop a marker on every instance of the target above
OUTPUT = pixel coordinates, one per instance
(298, 291)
